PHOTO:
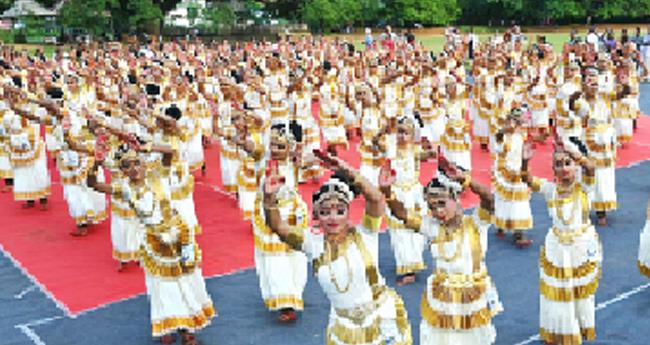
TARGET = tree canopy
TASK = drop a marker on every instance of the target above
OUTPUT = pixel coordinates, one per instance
(99, 16)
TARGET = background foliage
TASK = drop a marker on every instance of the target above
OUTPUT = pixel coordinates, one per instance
(328, 15)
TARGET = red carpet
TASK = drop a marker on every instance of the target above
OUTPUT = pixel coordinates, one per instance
(80, 273)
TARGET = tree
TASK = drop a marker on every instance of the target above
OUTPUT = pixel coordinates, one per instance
(91, 15)
(220, 15)
(566, 9)
(370, 10)
(320, 14)
(5, 4)
(623, 8)
(426, 12)
(142, 12)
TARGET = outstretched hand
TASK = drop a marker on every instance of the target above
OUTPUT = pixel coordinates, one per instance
(274, 180)
(332, 162)
(386, 176)
(451, 169)
(527, 152)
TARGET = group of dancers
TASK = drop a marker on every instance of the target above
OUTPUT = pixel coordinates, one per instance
(282, 115)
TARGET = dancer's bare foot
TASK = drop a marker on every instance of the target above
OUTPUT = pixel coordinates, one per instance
(287, 315)
(168, 339)
(521, 240)
(406, 279)
(82, 230)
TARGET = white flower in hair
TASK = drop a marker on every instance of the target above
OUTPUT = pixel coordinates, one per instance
(349, 195)
(448, 182)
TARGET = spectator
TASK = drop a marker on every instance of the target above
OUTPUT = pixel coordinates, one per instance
(610, 42)
(410, 37)
(593, 38)
(624, 36)
(369, 40)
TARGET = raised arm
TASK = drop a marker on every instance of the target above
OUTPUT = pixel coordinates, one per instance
(397, 208)
(274, 220)
(375, 202)
(101, 187)
(484, 193)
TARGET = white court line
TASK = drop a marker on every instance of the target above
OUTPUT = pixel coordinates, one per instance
(27, 331)
(42, 287)
(25, 291)
(599, 306)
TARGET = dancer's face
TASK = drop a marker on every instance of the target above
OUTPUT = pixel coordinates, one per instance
(443, 206)
(333, 216)
(404, 133)
(564, 167)
(134, 169)
(279, 148)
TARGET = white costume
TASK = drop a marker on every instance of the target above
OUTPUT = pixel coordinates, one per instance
(460, 299)
(570, 266)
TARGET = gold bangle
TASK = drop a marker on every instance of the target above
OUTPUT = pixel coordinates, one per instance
(468, 181)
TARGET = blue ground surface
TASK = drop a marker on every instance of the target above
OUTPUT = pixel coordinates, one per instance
(29, 317)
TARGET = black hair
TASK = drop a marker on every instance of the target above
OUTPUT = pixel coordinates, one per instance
(435, 183)
(327, 65)
(174, 112)
(189, 76)
(296, 130)
(259, 71)
(55, 93)
(345, 179)
(581, 146)
(122, 149)
(326, 188)
(152, 89)
(132, 78)
(416, 116)
(17, 81)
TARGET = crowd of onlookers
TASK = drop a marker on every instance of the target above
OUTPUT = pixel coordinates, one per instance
(603, 41)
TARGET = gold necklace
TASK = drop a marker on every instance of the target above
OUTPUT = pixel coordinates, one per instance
(559, 209)
(331, 268)
(457, 238)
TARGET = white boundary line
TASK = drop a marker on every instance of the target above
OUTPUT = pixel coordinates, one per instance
(34, 281)
(25, 291)
(27, 331)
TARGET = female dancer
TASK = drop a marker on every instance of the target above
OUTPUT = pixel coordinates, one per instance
(170, 255)
(460, 299)
(511, 195)
(571, 257)
(363, 309)
(407, 244)
(282, 271)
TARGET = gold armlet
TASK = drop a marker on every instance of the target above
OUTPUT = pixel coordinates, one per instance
(467, 182)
